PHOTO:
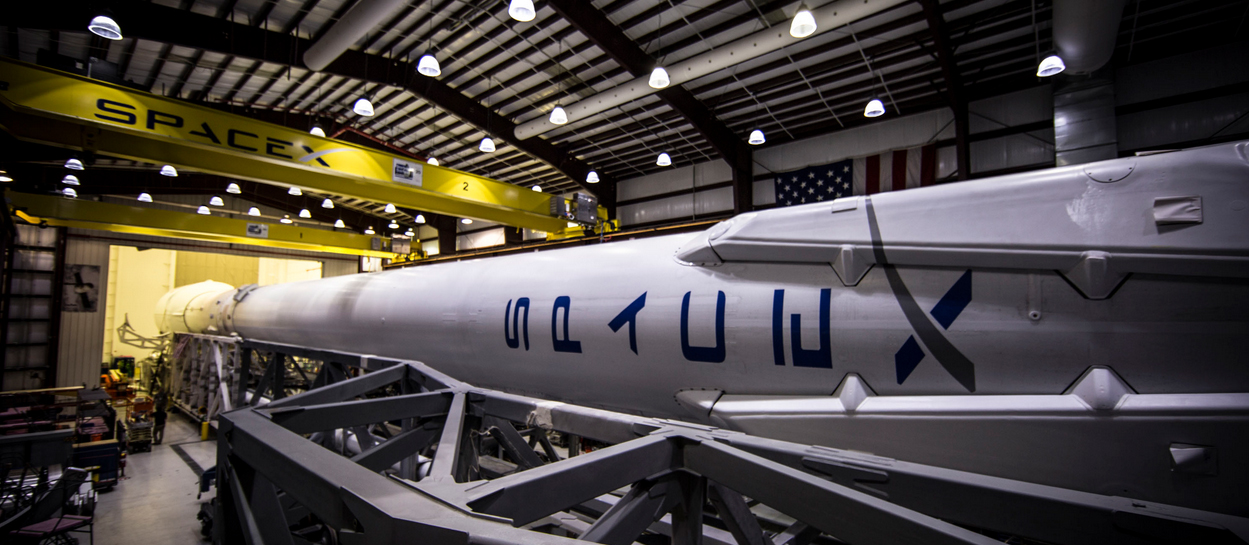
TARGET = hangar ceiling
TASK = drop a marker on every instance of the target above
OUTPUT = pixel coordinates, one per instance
(499, 73)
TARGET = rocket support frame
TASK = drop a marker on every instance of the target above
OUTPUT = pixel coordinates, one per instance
(271, 477)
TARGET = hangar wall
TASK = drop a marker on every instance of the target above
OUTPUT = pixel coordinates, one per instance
(1182, 101)
(82, 341)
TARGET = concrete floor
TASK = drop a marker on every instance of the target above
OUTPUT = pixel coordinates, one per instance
(156, 501)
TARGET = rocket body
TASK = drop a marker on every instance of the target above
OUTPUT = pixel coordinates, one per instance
(1067, 327)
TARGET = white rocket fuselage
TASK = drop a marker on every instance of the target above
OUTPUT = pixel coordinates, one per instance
(973, 306)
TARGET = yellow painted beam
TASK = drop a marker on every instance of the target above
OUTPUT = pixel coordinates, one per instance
(51, 107)
(138, 220)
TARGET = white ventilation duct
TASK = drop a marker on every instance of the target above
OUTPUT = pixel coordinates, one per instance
(832, 16)
(360, 19)
(1085, 32)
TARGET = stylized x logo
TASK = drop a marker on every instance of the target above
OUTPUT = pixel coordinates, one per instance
(934, 340)
(946, 311)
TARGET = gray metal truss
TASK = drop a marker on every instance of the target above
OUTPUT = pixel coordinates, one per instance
(442, 462)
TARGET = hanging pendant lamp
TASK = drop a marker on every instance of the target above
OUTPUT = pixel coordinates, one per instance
(558, 117)
(105, 27)
(522, 10)
(875, 108)
(803, 24)
(1050, 66)
(659, 78)
(428, 66)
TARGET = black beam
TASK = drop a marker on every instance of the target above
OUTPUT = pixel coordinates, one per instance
(446, 234)
(608, 37)
(187, 29)
(953, 85)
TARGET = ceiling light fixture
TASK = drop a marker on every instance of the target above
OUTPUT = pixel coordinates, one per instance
(144, 197)
(591, 178)
(393, 225)
(73, 164)
(433, 161)
(537, 188)
(803, 24)
(69, 192)
(105, 27)
(409, 233)
(317, 131)
(234, 189)
(663, 160)
(216, 201)
(487, 145)
(756, 138)
(558, 116)
(522, 10)
(339, 224)
(390, 208)
(304, 213)
(428, 66)
(1051, 66)
(875, 108)
(203, 210)
(420, 218)
(253, 211)
(5, 178)
(327, 203)
(169, 170)
(295, 191)
(70, 179)
(286, 218)
(659, 78)
(369, 231)
(466, 221)
(363, 107)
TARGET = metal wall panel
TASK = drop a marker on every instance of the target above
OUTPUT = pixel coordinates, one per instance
(1013, 151)
(680, 206)
(82, 333)
(676, 179)
(336, 267)
(1084, 122)
(1192, 122)
(903, 132)
(1011, 109)
(480, 239)
(1181, 74)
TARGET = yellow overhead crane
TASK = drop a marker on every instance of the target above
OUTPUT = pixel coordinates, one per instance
(47, 106)
(139, 220)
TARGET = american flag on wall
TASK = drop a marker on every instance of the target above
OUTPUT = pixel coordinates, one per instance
(889, 171)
